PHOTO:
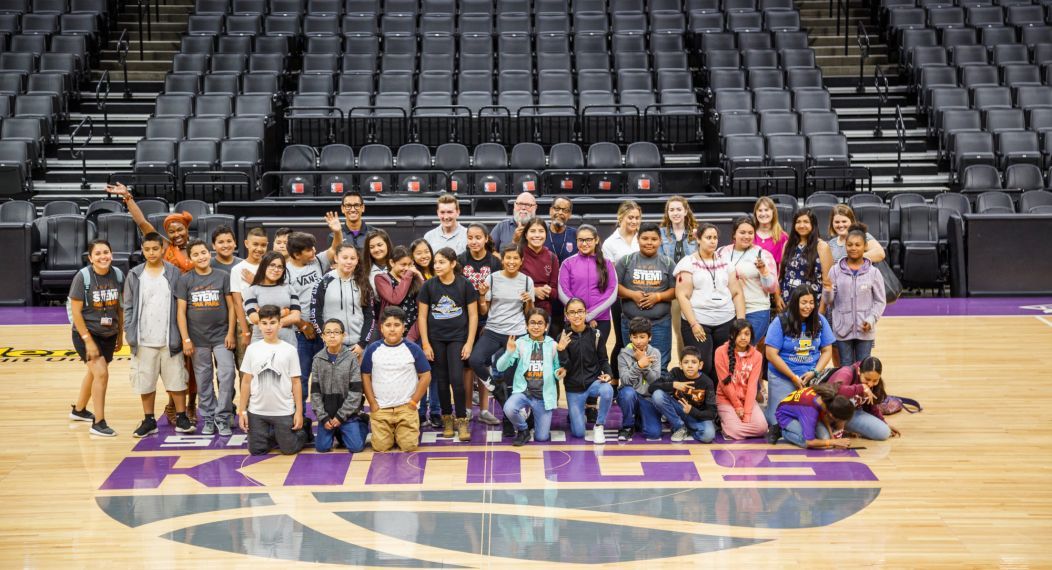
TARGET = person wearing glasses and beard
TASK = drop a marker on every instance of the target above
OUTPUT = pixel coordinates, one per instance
(562, 238)
(507, 231)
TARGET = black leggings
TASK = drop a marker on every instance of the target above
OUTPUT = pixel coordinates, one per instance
(619, 343)
(714, 336)
(448, 370)
(490, 346)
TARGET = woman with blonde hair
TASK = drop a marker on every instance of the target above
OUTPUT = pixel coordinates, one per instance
(678, 240)
(840, 222)
(769, 233)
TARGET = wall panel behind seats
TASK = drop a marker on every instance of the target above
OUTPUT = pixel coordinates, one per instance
(1008, 254)
(16, 288)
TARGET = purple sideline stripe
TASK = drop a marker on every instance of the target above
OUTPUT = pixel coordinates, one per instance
(33, 316)
(966, 306)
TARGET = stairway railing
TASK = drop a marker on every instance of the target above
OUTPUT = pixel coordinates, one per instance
(102, 97)
(841, 9)
(80, 152)
(900, 131)
(122, 59)
(862, 37)
(880, 83)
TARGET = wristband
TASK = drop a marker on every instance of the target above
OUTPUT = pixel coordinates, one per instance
(85, 336)
(186, 340)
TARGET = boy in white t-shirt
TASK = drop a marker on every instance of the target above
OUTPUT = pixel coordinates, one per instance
(271, 406)
(395, 376)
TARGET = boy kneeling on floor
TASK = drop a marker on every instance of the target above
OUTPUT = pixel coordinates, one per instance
(336, 392)
(395, 377)
(271, 404)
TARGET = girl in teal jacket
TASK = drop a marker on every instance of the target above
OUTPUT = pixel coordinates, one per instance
(534, 383)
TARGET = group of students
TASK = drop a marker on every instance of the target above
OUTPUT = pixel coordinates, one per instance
(518, 314)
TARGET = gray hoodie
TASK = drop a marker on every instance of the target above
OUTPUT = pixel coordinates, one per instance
(636, 377)
(335, 388)
(130, 302)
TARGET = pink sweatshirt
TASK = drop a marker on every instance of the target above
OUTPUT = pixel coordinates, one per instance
(741, 391)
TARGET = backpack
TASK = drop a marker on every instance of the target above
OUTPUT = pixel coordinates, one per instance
(85, 276)
(895, 404)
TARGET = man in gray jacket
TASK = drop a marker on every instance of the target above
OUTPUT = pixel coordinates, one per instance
(336, 392)
(152, 333)
(639, 365)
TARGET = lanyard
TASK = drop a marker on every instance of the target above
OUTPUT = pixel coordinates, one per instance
(710, 268)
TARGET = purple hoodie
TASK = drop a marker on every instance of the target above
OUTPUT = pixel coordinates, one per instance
(855, 298)
(578, 278)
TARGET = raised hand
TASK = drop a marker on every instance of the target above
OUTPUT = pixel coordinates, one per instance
(333, 221)
(564, 341)
(510, 347)
(119, 190)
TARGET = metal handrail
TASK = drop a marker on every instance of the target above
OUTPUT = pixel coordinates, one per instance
(880, 83)
(900, 131)
(862, 37)
(122, 59)
(101, 100)
(80, 151)
(841, 8)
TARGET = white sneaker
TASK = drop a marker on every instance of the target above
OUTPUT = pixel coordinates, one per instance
(488, 418)
(369, 439)
(598, 435)
(680, 434)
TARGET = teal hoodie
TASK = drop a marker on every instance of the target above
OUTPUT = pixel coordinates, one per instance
(523, 350)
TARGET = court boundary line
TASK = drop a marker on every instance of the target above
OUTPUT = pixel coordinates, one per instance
(1043, 319)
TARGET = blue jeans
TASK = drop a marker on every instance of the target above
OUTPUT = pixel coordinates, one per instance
(352, 433)
(632, 403)
(542, 418)
(868, 426)
(777, 389)
(306, 349)
(660, 338)
(434, 403)
(701, 430)
(759, 321)
(794, 433)
(853, 350)
(575, 406)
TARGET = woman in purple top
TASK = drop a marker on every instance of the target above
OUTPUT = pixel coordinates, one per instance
(588, 276)
(857, 299)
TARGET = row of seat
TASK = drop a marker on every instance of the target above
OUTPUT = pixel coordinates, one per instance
(498, 172)
(1017, 178)
(338, 7)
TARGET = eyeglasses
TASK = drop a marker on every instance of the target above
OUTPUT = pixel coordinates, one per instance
(537, 323)
(332, 333)
(560, 209)
(585, 240)
(280, 266)
(353, 206)
(525, 205)
(577, 312)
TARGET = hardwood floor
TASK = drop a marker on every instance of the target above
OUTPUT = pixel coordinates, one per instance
(968, 485)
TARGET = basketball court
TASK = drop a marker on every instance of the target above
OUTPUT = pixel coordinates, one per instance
(966, 486)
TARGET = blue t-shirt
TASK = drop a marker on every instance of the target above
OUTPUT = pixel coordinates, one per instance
(799, 353)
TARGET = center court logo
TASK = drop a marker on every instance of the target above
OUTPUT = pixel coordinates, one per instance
(569, 503)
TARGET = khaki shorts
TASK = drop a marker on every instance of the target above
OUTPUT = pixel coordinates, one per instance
(149, 363)
(391, 426)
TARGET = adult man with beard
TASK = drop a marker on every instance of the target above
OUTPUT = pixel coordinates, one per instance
(562, 239)
(524, 209)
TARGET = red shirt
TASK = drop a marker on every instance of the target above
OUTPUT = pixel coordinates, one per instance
(543, 268)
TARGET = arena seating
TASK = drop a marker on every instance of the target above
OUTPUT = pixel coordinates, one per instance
(46, 48)
(980, 72)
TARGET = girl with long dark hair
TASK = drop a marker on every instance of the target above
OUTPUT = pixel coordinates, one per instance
(588, 276)
(863, 384)
(270, 287)
(807, 258)
(738, 369)
(799, 345)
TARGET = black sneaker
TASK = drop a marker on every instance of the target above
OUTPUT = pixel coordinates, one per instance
(146, 427)
(626, 434)
(507, 432)
(521, 438)
(436, 421)
(591, 414)
(80, 415)
(100, 428)
(774, 433)
(183, 425)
